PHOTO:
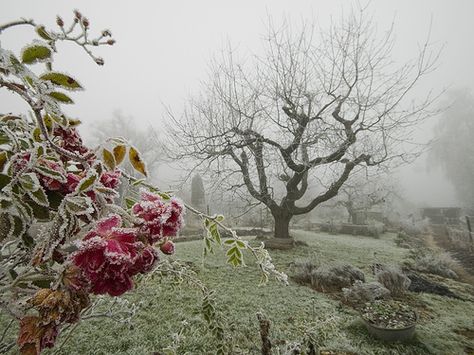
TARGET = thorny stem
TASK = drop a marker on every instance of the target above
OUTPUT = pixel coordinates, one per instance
(17, 23)
(37, 107)
(64, 36)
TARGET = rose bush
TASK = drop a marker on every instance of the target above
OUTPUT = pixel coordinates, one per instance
(64, 235)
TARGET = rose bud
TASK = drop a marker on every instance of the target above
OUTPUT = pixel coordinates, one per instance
(59, 21)
(167, 248)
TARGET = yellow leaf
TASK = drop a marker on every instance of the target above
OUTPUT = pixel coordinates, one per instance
(37, 137)
(3, 159)
(136, 161)
(73, 122)
(119, 153)
(48, 122)
(109, 159)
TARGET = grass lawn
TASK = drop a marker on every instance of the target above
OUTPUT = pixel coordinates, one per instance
(170, 315)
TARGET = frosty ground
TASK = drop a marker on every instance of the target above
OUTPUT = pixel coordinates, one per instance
(169, 315)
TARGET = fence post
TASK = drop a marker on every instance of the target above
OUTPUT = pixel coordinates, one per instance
(468, 222)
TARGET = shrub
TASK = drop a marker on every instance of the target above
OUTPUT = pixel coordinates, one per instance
(301, 271)
(414, 229)
(334, 278)
(438, 263)
(403, 240)
(361, 293)
(393, 279)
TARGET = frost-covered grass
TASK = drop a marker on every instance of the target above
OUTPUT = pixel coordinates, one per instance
(293, 310)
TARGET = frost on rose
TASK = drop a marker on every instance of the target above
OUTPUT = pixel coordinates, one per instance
(160, 218)
(110, 255)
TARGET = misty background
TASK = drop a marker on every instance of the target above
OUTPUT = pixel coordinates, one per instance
(164, 48)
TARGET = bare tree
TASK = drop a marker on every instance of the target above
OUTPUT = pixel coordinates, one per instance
(313, 107)
(361, 193)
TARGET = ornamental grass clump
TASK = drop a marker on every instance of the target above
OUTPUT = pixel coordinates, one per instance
(393, 279)
(360, 293)
(333, 278)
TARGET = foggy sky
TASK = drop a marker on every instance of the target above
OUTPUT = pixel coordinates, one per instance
(163, 49)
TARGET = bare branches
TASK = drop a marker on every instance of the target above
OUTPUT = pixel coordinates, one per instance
(314, 101)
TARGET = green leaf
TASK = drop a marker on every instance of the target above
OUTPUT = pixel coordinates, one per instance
(29, 80)
(36, 135)
(41, 31)
(105, 190)
(48, 122)
(4, 138)
(61, 97)
(79, 205)
(88, 182)
(4, 180)
(214, 230)
(22, 207)
(39, 151)
(35, 52)
(129, 202)
(39, 196)
(29, 182)
(28, 240)
(41, 213)
(19, 227)
(63, 80)
(241, 244)
(163, 195)
(138, 182)
(53, 174)
(232, 251)
(5, 202)
(229, 241)
(55, 199)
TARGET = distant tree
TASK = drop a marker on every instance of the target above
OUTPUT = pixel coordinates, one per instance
(198, 194)
(311, 108)
(453, 149)
(361, 193)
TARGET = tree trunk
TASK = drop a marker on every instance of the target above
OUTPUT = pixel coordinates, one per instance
(282, 225)
(282, 239)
